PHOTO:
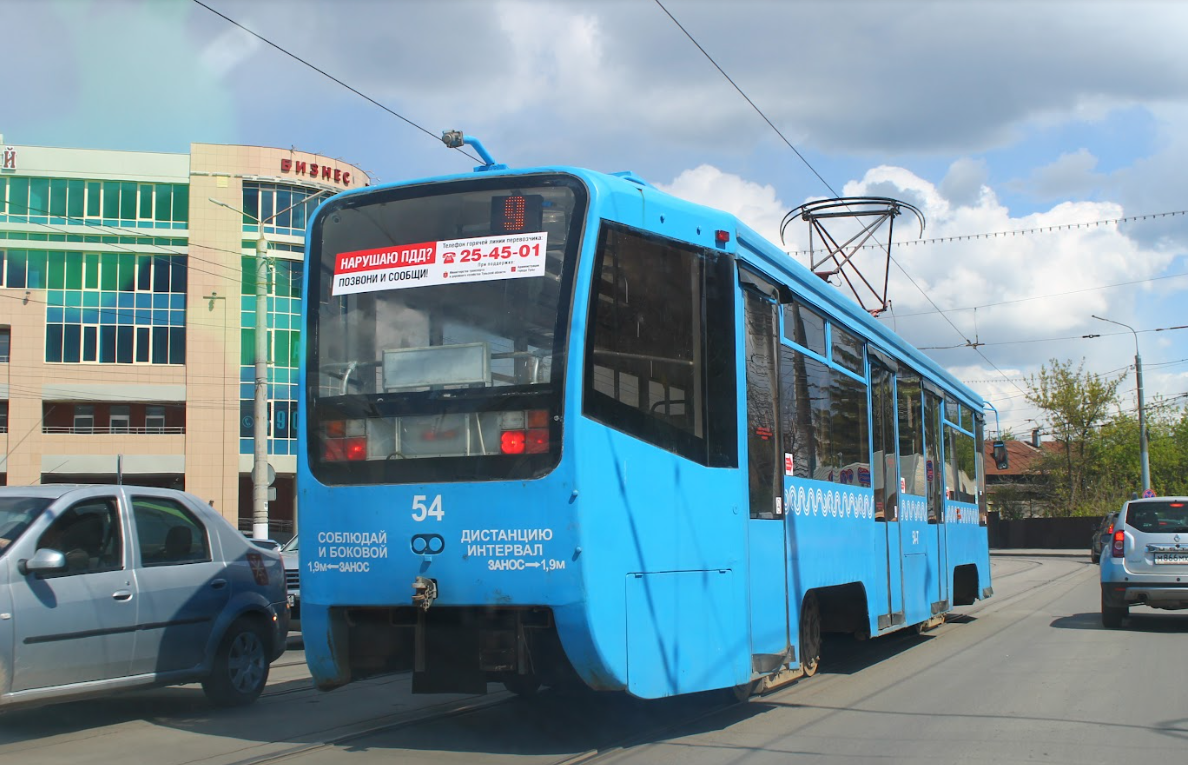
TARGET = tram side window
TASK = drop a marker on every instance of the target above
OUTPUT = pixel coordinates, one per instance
(660, 345)
(847, 350)
(882, 418)
(980, 464)
(960, 470)
(824, 421)
(805, 327)
(933, 432)
(911, 435)
(761, 407)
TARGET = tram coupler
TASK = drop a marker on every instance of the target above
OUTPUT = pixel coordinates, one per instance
(424, 592)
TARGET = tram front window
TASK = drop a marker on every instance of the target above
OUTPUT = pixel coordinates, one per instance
(437, 334)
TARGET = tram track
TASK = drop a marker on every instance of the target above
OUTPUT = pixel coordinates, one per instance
(852, 660)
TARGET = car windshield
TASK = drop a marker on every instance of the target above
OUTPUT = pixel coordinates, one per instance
(16, 514)
(1158, 517)
(290, 546)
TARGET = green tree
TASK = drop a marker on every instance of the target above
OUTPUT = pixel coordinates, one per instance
(1076, 403)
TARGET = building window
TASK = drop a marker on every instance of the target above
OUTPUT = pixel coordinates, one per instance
(108, 308)
(84, 418)
(120, 419)
(108, 203)
(5, 336)
(3, 416)
(154, 419)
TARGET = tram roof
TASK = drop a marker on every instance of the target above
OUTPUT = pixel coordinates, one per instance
(761, 255)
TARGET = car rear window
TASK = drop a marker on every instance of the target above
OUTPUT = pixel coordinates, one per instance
(1158, 517)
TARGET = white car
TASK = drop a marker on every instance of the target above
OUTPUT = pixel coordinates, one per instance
(1146, 560)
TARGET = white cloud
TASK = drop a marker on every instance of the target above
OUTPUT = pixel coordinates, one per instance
(228, 50)
(1071, 175)
(756, 205)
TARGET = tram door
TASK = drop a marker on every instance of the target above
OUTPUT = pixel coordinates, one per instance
(935, 481)
(766, 537)
(885, 482)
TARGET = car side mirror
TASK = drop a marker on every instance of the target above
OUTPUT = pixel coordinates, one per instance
(44, 561)
(1001, 461)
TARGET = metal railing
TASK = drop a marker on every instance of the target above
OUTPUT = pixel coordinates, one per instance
(112, 431)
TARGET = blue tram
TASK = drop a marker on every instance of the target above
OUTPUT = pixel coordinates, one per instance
(564, 428)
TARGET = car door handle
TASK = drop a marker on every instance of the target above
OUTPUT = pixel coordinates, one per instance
(218, 584)
(122, 595)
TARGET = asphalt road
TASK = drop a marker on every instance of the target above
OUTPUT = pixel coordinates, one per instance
(1027, 676)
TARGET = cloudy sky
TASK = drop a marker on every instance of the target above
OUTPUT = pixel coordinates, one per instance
(990, 117)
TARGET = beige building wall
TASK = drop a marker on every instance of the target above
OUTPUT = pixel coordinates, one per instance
(208, 383)
(217, 172)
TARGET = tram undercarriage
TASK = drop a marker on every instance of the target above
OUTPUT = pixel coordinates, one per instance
(456, 650)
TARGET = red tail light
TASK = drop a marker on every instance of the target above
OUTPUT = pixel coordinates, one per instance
(345, 449)
(512, 441)
(537, 441)
(1119, 541)
(1110, 530)
(526, 432)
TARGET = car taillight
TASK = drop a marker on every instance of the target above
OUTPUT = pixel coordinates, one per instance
(1110, 530)
(525, 432)
(1119, 540)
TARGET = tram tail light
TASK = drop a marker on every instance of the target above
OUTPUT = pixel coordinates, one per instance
(345, 449)
(512, 441)
(1116, 549)
(525, 432)
(344, 441)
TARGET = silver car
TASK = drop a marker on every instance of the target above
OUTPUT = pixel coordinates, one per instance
(111, 587)
(1145, 562)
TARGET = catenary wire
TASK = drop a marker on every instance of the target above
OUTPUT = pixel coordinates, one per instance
(331, 77)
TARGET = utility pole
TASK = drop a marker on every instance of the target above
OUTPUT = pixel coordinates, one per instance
(1138, 374)
(260, 478)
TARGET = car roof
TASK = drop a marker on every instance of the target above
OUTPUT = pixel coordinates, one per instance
(55, 491)
(1156, 500)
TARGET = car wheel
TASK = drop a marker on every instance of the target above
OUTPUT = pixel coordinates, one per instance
(1095, 557)
(810, 635)
(1112, 616)
(240, 667)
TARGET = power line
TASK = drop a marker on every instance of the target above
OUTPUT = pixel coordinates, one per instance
(822, 179)
(1047, 296)
(745, 97)
(1014, 232)
(331, 77)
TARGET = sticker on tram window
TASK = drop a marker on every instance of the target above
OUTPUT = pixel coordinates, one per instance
(788, 464)
(488, 258)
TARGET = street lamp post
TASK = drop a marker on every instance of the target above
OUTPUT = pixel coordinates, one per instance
(260, 410)
(1138, 374)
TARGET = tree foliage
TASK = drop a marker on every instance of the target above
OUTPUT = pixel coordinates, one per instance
(1076, 404)
(1096, 463)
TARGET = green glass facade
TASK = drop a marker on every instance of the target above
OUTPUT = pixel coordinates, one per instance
(284, 342)
(62, 201)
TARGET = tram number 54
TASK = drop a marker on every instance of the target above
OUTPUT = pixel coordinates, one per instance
(421, 511)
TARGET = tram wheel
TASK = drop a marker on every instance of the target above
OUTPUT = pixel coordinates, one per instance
(810, 635)
(745, 691)
(522, 685)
